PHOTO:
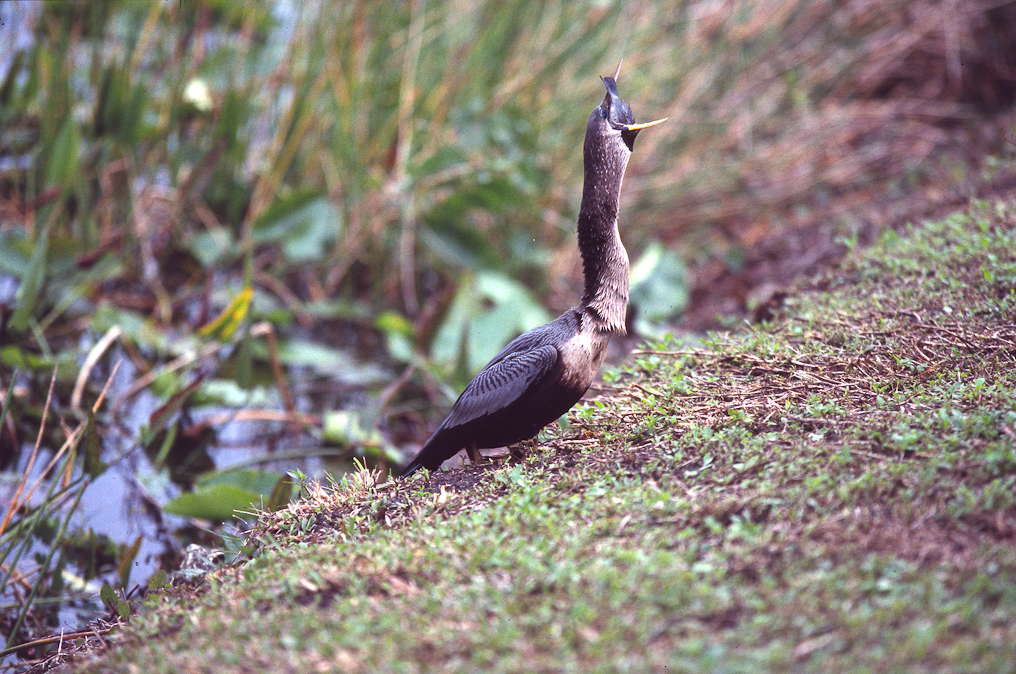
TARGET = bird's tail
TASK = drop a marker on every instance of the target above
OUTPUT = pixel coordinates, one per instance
(430, 456)
(413, 466)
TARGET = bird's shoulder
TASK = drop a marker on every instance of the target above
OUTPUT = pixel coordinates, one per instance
(526, 359)
(553, 334)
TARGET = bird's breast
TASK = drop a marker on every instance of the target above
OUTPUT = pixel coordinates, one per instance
(581, 357)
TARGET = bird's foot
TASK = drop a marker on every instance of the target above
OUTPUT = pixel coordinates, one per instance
(520, 450)
(474, 455)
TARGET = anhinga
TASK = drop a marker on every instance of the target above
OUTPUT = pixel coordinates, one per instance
(540, 374)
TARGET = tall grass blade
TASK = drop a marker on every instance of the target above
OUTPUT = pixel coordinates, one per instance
(31, 285)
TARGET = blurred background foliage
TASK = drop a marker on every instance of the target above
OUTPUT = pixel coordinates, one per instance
(296, 229)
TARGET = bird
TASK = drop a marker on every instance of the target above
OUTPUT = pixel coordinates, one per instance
(541, 373)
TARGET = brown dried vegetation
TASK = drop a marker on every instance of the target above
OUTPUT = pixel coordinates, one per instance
(861, 116)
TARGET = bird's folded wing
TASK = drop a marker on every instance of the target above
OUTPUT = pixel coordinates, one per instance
(501, 383)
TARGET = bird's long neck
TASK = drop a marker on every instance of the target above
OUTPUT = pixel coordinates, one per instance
(604, 259)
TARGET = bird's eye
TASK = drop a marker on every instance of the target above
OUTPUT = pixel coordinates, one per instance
(603, 113)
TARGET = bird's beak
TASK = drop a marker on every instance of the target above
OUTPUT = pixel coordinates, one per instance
(613, 99)
(646, 125)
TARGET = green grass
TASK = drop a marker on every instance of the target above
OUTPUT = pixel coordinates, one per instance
(833, 491)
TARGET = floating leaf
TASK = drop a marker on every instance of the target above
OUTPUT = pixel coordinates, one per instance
(220, 495)
(217, 502)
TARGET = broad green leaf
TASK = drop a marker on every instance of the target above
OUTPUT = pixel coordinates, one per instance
(256, 481)
(140, 329)
(219, 495)
(108, 595)
(345, 427)
(452, 235)
(15, 252)
(211, 246)
(229, 393)
(659, 287)
(329, 361)
(305, 223)
(399, 335)
(66, 362)
(218, 502)
(489, 310)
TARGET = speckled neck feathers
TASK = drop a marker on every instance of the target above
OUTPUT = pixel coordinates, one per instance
(604, 259)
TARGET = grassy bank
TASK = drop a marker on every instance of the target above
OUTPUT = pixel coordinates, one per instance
(833, 491)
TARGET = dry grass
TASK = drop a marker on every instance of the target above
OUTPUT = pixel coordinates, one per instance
(820, 120)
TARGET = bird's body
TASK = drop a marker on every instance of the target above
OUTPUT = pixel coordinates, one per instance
(540, 374)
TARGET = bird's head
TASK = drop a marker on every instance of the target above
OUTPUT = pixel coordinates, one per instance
(613, 118)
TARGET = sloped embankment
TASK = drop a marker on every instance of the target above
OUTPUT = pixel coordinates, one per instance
(833, 491)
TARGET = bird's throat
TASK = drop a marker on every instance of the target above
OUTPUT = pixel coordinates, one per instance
(604, 259)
